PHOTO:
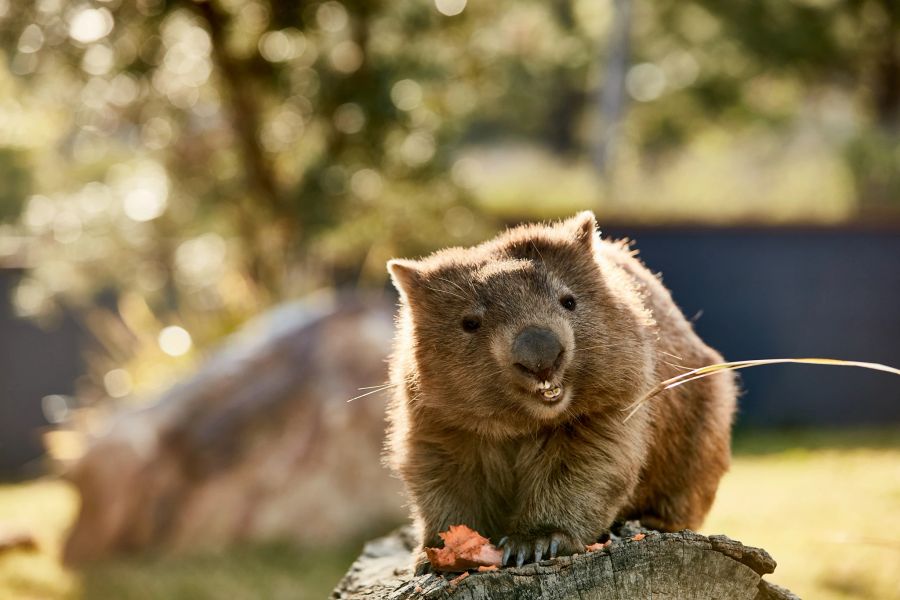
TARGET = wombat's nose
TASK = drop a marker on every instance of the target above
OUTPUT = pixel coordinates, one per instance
(537, 351)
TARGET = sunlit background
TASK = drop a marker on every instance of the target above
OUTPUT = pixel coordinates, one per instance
(174, 170)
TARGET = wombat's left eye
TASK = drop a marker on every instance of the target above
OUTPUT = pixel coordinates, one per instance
(471, 324)
(568, 302)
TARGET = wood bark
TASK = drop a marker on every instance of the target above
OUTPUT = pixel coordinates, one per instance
(680, 566)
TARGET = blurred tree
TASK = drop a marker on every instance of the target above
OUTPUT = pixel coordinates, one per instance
(206, 159)
(203, 160)
(799, 50)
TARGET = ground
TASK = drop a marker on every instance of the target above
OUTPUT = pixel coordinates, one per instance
(825, 504)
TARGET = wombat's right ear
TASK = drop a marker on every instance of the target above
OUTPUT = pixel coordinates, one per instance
(584, 227)
(405, 274)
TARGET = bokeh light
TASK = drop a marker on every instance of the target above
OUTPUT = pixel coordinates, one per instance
(175, 340)
(645, 82)
(31, 40)
(349, 118)
(332, 16)
(450, 8)
(90, 24)
(406, 94)
(346, 57)
(118, 383)
(56, 408)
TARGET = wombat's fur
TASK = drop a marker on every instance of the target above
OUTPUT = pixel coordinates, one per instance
(479, 440)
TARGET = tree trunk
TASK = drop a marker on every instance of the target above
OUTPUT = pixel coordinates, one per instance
(681, 565)
(611, 93)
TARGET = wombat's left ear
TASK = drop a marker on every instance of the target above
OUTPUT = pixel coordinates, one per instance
(405, 274)
(584, 227)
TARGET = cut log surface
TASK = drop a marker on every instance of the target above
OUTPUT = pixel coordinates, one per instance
(680, 566)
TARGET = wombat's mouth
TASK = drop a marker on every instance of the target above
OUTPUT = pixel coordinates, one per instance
(550, 391)
(546, 399)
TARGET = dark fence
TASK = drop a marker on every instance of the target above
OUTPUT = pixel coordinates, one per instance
(771, 293)
(34, 362)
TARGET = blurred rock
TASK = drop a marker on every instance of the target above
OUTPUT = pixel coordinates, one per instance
(259, 444)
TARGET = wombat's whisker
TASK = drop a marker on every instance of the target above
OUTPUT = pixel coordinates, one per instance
(533, 245)
(372, 387)
(675, 356)
(677, 366)
(708, 370)
(453, 283)
(445, 292)
(370, 392)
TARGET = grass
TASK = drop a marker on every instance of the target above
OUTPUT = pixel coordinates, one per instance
(248, 572)
(700, 372)
(242, 573)
(43, 508)
(825, 504)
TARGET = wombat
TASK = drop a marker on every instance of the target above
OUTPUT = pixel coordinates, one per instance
(513, 362)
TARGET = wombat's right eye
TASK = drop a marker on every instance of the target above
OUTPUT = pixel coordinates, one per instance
(471, 324)
(568, 302)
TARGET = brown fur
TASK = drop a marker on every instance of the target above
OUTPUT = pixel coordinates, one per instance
(474, 446)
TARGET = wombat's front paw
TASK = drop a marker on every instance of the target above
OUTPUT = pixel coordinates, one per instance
(525, 547)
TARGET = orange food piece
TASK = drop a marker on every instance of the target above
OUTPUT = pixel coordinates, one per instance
(486, 568)
(455, 581)
(598, 546)
(463, 549)
(638, 537)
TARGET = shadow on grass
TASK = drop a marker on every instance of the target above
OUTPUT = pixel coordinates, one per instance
(754, 442)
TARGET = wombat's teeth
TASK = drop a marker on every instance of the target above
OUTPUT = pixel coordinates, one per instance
(544, 385)
(552, 392)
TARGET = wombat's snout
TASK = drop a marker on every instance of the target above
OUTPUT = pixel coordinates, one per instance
(537, 352)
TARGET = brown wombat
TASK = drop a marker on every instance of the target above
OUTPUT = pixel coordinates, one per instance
(513, 363)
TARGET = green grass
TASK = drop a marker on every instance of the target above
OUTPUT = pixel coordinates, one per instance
(825, 504)
(251, 572)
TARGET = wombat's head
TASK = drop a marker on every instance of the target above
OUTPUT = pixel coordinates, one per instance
(523, 330)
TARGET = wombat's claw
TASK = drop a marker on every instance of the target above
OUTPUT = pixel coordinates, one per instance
(524, 548)
(554, 547)
(522, 555)
(506, 552)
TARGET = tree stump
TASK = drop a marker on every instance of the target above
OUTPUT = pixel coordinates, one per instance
(681, 566)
